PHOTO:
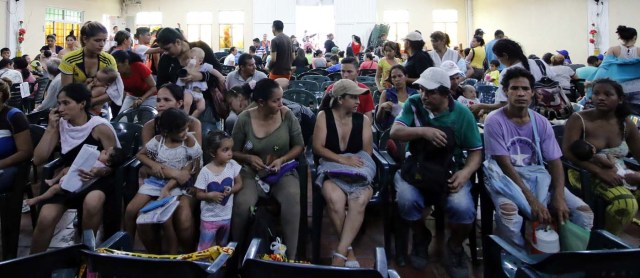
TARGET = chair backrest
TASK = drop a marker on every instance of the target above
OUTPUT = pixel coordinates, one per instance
(376, 97)
(558, 130)
(320, 71)
(326, 85)
(129, 135)
(364, 79)
(486, 93)
(574, 67)
(227, 69)
(220, 55)
(306, 73)
(469, 81)
(371, 84)
(107, 265)
(302, 97)
(43, 84)
(43, 264)
(15, 98)
(308, 85)
(368, 72)
(317, 78)
(37, 131)
(335, 76)
(39, 118)
(140, 115)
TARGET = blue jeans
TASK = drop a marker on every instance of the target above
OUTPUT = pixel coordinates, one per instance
(7, 178)
(459, 206)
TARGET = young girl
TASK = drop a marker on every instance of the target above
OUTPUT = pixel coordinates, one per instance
(238, 99)
(391, 58)
(173, 148)
(216, 184)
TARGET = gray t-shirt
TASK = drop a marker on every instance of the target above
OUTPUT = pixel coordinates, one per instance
(283, 48)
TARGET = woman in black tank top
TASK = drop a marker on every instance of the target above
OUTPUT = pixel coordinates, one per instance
(341, 130)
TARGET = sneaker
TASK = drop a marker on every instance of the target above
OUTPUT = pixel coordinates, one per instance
(420, 252)
(456, 262)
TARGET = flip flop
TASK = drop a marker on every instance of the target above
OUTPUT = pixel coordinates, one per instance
(351, 264)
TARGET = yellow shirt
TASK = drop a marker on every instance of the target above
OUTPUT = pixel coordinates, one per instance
(478, 57)
(386, 70)
(73, 64)
(495, 75)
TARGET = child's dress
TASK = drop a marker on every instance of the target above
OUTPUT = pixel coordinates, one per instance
(175, 158)
(467, 102)
(195, 88)
(216, 217)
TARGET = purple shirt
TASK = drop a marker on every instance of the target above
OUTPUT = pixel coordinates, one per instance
(504, 137)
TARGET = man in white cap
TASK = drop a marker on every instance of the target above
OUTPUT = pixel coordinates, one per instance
(418, 60)
(455, 77)
(425, 116)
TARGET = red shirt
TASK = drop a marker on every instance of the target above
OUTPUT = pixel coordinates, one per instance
(135, 84)
(366, 100)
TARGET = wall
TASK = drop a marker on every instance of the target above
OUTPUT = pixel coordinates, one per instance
(34, 17)
(174, 12)
(420, 15)
(3, 24)
(622, 12)
(540, 26)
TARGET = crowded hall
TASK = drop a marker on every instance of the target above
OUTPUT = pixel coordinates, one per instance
(319, 138)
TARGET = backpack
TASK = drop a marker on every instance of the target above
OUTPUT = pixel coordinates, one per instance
(429, 168)
(550, 100)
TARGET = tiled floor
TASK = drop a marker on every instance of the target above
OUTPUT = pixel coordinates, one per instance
(364, 245)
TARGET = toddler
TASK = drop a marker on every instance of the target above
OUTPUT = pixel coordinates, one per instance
(173, 148)
(585, 151)
(216, 184)
(468, 96)
(237, 99)
(493, 75)
(111, 157)
(193, 90)
(99, 84)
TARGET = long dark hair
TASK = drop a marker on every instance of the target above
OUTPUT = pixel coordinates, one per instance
(78, 92)
(91, 29)
(126, 55)
(171, 121)
(264, 89)
(626, 33)
(512, 49)
(622, 110)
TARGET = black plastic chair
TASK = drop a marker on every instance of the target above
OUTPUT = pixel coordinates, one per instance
(607, 256)
(306, 73)
(220, 55)
(326, 85)
(302, 97)
(140, 115)
(130, 136)
(308, 85)
(574, 67)
(469, 81)
(368, 72)
(46, 264)
(320, 71)
(15, 98)
(227, 69)
(109, 265)
(371, 85)
(486, 93)
(39, 118)
(252, 266)
(335, 76)
(365, 78)
(316, 78)
(376, 97)
(11, 211)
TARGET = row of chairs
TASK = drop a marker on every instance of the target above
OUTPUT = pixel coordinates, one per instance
(38, 90)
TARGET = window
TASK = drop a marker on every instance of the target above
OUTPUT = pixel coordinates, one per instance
(398, 21)
(153, 20)
(199, 26)
(231, 29)
(60, 22)
(446, 21)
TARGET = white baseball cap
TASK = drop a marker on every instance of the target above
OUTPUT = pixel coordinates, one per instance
(451, 68)
(433, 78)
(414, 37)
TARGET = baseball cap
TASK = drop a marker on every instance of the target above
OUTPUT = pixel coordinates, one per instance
(347, 87)
(450, 68)
(335, 49)
(600, 57)
(414, 37)
(563, 52)
(433, 78)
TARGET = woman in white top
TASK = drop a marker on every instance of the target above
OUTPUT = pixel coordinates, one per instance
(564, 74)
(441, 52)
(628, 50)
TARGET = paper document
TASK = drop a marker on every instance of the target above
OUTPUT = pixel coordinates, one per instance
(161, 213)
(85, 160)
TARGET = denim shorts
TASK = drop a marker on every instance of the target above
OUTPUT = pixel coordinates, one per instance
(459, 206)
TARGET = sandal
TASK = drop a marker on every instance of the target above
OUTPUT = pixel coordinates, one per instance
(340, 256)
(351, 264)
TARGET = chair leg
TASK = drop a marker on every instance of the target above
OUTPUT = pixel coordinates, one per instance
(316, 233)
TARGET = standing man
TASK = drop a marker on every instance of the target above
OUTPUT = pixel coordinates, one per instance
(329, 44)
(281, 53)
(246, 72)
(498, 35)
(265, 44)
(421, 117)
(260, 51)
(349, 70)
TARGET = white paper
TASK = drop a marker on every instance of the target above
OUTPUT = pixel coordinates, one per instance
(24, 89)
(160, 214)
(85, 160)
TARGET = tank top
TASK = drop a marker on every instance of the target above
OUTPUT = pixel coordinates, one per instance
(332, 141)
(628, 52)
(478, 57)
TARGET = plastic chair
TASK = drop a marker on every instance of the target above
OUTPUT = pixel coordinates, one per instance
(364, 78)
(252, 266)
(227, 69)
(306, 73)
(317, 78)
(487, 93)
(38, 96)
(368, 72)
(11, 211)
(302, 97)
(220, 55)
(335, 76)
(376, 97)
(469, 81)
(371, 85)
(606, 256)
(326, 85)
(140, 115)
(574, 67)
(15, 98)
(320, 71)
(39, 118)
(310, 86)
(109, 265)
(130, 137)
(46, 264)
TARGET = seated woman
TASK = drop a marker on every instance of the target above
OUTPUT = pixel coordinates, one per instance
(393, 98)
(608, 128)
(15, 139)
(343, 140)
(266, 137)
(71, 125)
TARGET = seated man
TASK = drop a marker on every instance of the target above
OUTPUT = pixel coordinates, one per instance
(443, 112)
(510, 140)
(245, 73)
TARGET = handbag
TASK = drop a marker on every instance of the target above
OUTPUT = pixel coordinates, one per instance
(550, 100)
(536, 177)
(429, 167)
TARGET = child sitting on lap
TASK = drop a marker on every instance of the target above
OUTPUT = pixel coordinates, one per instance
(468, 96)
(194, 89)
